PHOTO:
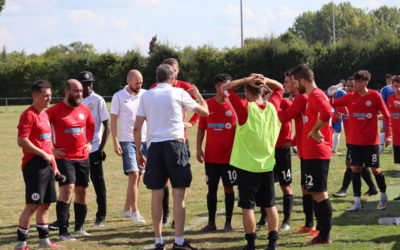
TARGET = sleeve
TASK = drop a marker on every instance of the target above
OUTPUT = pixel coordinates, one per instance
(342, 101)
(386, 116)
(294, 109)
(194, 118)
(25, 125)
(186, 86)
(188, 101)
(238, 104)
(202, 123)
(140, 111)
(89, 126)
(103, 111)
(114, 105)
(276, 98)
(324, 108)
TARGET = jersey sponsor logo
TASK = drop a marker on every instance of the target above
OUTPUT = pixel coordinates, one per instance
(228, 113)
(81, 116)
(362, 116)
(45, 136)
(368, 103)
(35, 196)
(228, 125)
(216, 126)
(74, 131)
(395, 115)
(369, 115)
(345, 116)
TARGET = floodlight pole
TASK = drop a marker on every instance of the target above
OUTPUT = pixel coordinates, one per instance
(241, 22)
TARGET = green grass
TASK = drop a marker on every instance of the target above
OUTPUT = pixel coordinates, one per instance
(349, 231)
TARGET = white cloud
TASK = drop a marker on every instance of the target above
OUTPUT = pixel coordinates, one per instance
(139, 39)
(248, 14)
(232, 11)
(12, 8)
(5, 37)
(288, 13)
(374, 4)
(119, 23)
(85, 16)
(147, 2)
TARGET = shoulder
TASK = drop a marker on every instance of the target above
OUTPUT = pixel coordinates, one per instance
(184, 85)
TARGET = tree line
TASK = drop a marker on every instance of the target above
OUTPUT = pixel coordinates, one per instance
(375, 47)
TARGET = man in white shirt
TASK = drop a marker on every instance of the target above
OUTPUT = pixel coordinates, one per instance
(98, 108)
(124, 105)
(162, 107)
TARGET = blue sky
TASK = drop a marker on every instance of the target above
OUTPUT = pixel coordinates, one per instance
(120, 25)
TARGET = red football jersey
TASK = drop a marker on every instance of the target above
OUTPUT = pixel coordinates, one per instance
(395, 119)
(186, 86)
(363, 113)
(36, 127)
(72, 128)
(285, 134)
(296, 111)
(220, 126)
(318, 108)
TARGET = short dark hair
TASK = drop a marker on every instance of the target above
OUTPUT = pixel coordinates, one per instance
(362, 75)
(254, 91)
(350, 78)
(39, 84)
(288, 72)
(396, 78)
(171, 61)
(387, 76)
(219, 78)
(164, 72)
(303, 71)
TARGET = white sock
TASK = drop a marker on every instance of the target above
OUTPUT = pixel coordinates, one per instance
(357, 199)
(381, 141)
(24, 231)
(383, 195)
(336, 139)
(179, 240)
(159, 241)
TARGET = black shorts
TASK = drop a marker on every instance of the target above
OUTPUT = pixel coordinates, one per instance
(283, 166)
(348, 154)
(168, 159)
(255, 189)
(302, 173)
(364, 154)
(215, 171)
(396, 154)
(74, 172)
(316, 174)
(39, 181)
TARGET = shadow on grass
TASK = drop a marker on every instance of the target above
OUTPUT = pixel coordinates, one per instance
(392, 173)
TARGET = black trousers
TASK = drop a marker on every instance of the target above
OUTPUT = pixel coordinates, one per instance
(97, 177)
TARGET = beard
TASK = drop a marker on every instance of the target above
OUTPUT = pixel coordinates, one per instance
(75, 102)
(302, 89)
(134, 90)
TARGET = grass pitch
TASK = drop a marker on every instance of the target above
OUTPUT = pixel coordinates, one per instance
(358, 230)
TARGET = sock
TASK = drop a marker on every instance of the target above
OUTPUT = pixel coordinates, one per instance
(179, 240)
(357, 184)
(166, 201)
(80, 215)
(317, 213)
(366, 175)
(308, 209)
(62, 210)
(287, 207)
(251, 240)
(263, 217)
(324, 218)
(348, 176)
(336, 139)
(380, 181)
(22, 234)
(357, 199)
(159, 241)
(272, 237)
(43, 230)
(381, 141)
(229, 204)
(212, 204)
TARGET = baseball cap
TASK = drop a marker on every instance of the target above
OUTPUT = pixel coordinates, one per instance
(85, 76)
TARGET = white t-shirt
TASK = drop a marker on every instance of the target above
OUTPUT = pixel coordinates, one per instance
(125, 106)
(162, 107)
(98, 108)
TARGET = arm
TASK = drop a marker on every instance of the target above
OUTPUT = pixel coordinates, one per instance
(192, 121)
(117, 147)
(233, 85)
(137, 135)
(202, 108)
(27, 145)
(199, 142)
(104, 137)
(386, 117)
(89, 132)
(315, 133)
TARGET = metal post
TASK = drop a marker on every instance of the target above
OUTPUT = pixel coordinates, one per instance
(241, 22)
(333, 23)
(6, 105)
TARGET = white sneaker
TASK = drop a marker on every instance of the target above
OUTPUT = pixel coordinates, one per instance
(66, 237)
(284, 227)
(82, 232)
(355, 207)
(383, 202)
(127, 214)
(137, 217)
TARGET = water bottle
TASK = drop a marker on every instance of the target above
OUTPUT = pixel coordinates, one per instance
(332, 90)
(389, 221)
